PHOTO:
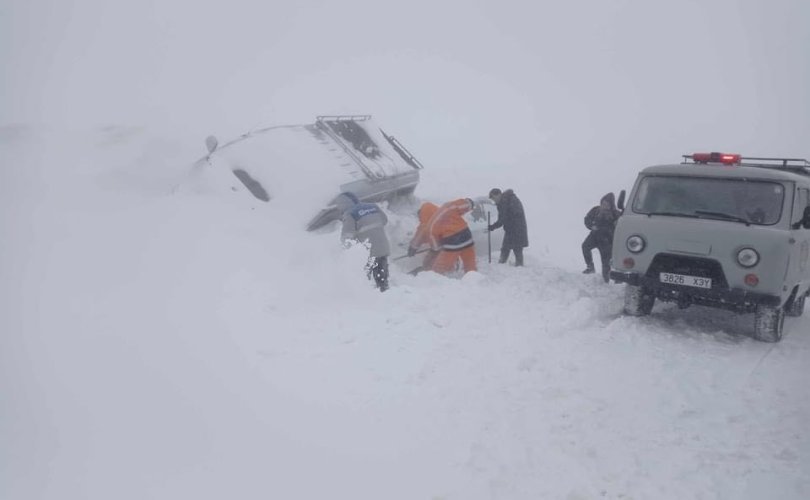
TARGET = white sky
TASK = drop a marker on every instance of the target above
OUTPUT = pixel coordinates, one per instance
(462, 83)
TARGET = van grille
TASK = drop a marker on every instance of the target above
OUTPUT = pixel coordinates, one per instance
(690, 266)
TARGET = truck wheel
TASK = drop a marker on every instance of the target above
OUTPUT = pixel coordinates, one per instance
(638, 301)
(768, 323)
(796, 307)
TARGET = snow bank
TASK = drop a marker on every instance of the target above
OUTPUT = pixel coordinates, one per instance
(164, 336)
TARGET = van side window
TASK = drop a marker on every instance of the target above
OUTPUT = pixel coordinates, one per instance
(802, 201)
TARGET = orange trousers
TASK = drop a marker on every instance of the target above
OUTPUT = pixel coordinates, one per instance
(445, 261)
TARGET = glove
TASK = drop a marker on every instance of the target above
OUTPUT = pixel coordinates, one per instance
(490, 228)
(411, 251)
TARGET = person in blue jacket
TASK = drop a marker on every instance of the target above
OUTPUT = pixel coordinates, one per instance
(365, 222)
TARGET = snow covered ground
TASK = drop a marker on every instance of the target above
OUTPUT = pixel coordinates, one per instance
(163, 336)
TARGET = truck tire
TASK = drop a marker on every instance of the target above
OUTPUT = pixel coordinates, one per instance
(638, 301)
(768, 323)
(796, 307)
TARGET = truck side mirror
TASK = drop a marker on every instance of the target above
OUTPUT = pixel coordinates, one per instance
(806, 218)
(620, 203)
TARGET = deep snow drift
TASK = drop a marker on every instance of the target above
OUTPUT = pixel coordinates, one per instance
(166, 336)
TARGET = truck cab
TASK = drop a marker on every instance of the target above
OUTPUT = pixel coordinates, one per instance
(718, 230)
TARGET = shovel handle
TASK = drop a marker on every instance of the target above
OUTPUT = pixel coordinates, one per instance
(406, 255)
(489, 240)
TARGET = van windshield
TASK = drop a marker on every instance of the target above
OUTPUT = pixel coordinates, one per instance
(740, 200)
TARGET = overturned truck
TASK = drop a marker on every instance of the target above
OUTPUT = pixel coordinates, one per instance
(334, 154)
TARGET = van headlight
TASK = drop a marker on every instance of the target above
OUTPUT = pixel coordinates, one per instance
(635, 243)
(747, 257)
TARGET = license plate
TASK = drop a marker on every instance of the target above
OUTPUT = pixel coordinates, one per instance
(685, 280)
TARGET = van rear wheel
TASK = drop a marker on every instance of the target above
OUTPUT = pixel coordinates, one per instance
(768, 323)
(638, 301)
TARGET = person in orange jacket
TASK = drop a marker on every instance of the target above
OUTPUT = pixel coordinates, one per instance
(446, 234)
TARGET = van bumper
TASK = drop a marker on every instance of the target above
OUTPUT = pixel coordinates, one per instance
(731, 298)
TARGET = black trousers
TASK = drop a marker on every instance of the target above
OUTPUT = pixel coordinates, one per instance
(605, 245)
(518, 255)
(379, 270)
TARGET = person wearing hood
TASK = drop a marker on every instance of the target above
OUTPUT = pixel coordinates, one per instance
(445, 233)
(601, 221)
(365, 222)
(513, 220)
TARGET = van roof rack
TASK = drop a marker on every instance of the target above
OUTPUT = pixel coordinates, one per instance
(778, 162)
(799, 165)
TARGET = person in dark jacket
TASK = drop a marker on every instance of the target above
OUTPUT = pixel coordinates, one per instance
(365, 222)
(601, 221)
(513, 220)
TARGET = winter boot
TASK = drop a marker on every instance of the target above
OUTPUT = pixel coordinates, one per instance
(589, 270)
(380, 273)
(518, 257)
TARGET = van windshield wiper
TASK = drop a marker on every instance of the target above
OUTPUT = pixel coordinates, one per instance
(722, 215)
(673, 214)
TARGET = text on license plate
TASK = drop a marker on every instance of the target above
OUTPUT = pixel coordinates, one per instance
(682, 279)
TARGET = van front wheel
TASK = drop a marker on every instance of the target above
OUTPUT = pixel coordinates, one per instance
(638, 301)
(768, 323)
(796, 307)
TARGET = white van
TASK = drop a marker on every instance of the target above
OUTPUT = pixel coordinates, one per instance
(718, 230)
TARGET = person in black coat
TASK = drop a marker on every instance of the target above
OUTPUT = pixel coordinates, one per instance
(513, 220)
(601, 221)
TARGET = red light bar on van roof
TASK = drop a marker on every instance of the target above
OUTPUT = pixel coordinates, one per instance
(724, 158)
